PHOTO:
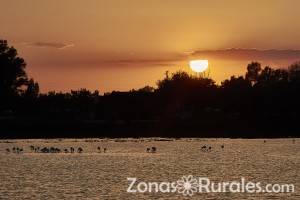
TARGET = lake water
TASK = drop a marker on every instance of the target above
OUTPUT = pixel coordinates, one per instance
(94, 175)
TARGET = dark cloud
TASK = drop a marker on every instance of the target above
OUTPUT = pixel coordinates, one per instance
(223, 54)
(50, 45)
(248, 54)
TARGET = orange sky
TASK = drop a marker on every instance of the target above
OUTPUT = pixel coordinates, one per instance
(120, 45)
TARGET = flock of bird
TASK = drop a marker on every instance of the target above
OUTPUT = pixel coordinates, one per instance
(205, 148)
(151, 150)
(35, 149)
(15, 150)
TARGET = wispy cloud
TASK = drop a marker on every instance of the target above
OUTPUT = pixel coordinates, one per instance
(235, 54)
(155, 62)
(56, 45)
(247, 54)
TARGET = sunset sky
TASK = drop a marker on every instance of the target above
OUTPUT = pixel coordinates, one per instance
(119, 45)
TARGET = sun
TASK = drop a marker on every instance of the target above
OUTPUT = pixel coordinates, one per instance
(199, 65)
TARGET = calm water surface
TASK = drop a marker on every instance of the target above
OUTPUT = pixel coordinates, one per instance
(94, 175)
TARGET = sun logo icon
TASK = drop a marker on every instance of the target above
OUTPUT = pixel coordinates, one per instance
(187, 185)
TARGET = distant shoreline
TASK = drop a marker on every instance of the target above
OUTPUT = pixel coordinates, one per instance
(37, 129)
(161, 139)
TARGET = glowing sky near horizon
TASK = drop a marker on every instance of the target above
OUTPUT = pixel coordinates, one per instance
(120, 45)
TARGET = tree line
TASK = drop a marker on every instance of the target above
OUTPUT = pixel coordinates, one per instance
(262, 103)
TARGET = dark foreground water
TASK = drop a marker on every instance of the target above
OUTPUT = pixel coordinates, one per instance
(92, 174)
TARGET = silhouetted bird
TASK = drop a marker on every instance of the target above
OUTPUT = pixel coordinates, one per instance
(153, 149)
(36, 150)
(45, 150)
(57, 150)
(79, 150)
(148, 150)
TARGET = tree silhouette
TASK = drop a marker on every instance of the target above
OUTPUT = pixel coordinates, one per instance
(12, 71)
(253, 70)
(269, 76)
(32, 90)
(294, 72)
(180, 81)
(236, 84)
